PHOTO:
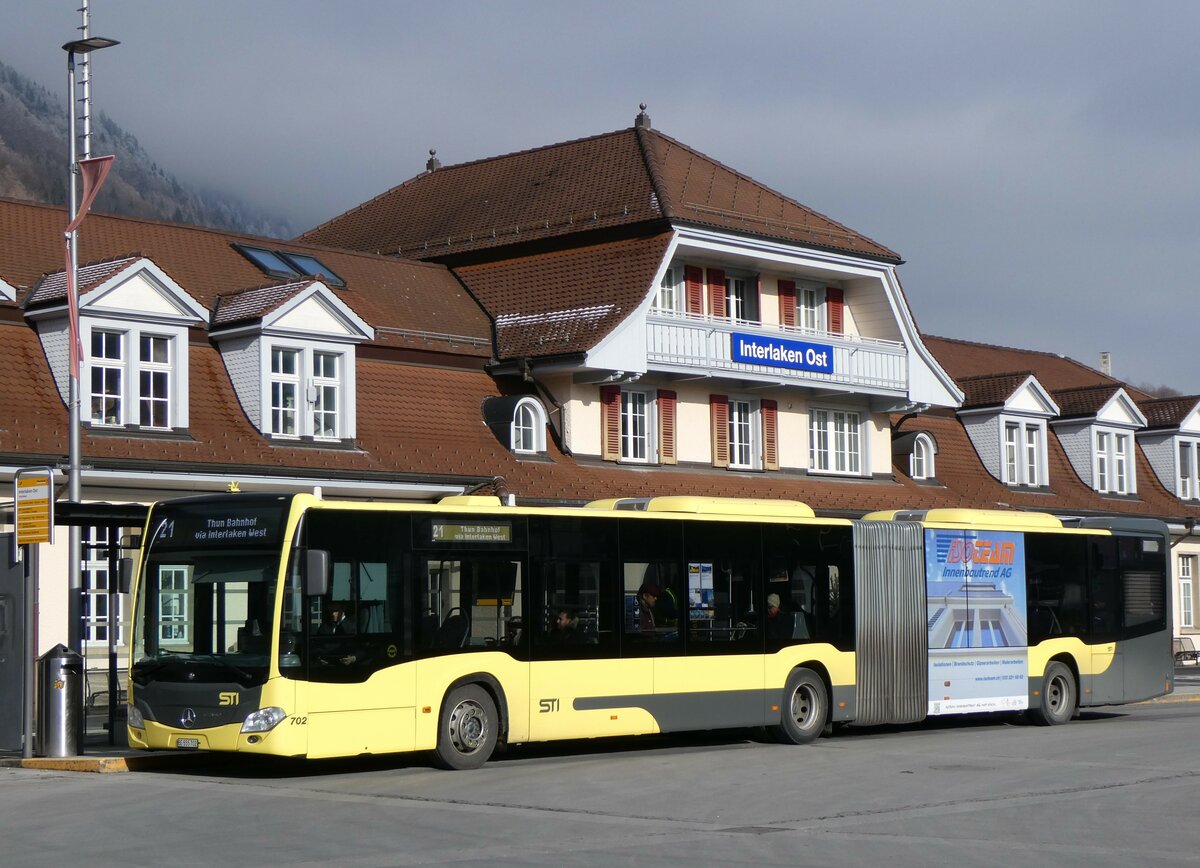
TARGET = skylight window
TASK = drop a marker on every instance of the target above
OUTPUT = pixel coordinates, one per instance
(284, 263)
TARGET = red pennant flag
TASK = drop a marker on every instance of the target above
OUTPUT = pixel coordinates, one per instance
(94, 171)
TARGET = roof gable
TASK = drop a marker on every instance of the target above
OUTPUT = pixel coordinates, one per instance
(131, 287)
(1182, 413)
(305, 308)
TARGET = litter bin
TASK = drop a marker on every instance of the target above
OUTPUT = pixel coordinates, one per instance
(60, 681)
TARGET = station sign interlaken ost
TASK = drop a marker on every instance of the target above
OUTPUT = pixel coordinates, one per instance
(782, 353)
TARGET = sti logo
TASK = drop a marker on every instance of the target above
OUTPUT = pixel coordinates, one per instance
(227, 697)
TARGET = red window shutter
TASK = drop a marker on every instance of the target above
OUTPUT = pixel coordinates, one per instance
(693, 277)
(770, 425)
(610, 422)
(719, 405)
(834, 303)
(716, 292)
(787, 302)
(666, 427)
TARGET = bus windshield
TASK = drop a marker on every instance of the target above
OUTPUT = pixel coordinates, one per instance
(204, 604)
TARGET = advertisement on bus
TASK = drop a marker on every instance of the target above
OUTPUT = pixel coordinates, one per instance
(975, 587)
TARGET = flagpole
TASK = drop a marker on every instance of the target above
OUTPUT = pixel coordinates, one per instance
(74, 472)
(82, 47)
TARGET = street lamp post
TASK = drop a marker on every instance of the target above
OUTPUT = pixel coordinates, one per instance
(74, 486)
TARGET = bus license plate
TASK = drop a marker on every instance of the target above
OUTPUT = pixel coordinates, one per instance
(187, 743)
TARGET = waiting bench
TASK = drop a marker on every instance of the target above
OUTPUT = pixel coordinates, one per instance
(1185, 651)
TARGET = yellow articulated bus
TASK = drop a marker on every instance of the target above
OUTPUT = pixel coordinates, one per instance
(294, 626)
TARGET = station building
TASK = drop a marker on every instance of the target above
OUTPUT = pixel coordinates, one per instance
(615, 316)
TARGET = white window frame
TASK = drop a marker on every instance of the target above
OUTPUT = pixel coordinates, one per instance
(669, 298)
(131, 367)
(324, 392)
(96, 581)
(810, 307)
(1187, 485)
(1186, 572)
(745, 433)
(109, 361)
(148, 368)
(527, 431)
(178, 620)
(921, 461)
(1112, 449)
(638, 426)
(283, 382)
(311, 390)
(836, 444)
(737, 298)
(1023, 451)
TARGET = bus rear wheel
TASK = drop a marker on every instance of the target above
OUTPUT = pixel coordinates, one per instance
(804, 710)
(467, 730)
(1058, 697)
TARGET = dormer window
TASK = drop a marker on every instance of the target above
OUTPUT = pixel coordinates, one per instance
(1188, 478)
(1113, 462)
(290, 355)
(528, 434)
(133, 326)
(1024, 451)
(921, 464)
(306, 392)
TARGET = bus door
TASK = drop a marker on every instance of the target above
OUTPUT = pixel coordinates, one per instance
(470, 574)
(580, 685)
(352, 641)
(1104, 623)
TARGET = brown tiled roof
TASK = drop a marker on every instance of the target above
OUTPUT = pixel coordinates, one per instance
(960, 470)
(564, 302)
(53, 286)
(695, 188)
(1084, 400)
(251, 304)
(1168, 412)
(969, 359)
(990, 390)
(406, 302)
(623, 178)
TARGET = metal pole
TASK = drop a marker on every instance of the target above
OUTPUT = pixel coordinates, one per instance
(29, 577)
(74, 493)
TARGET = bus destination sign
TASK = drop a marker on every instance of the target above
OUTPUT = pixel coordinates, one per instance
(230, 525)
(471, 532)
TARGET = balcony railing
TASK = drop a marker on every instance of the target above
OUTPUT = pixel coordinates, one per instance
(684, 343)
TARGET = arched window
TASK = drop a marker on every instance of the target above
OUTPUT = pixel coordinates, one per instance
(528, 433)
(921, 460)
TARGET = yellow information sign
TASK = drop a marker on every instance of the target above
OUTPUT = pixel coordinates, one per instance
(34, 500)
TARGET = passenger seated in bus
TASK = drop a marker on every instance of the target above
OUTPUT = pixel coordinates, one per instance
(565, 629)
(666, 608)
(647, 597)
(780, 624)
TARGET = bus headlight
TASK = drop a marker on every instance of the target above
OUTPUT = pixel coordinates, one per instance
(263, 720)
(134, 717)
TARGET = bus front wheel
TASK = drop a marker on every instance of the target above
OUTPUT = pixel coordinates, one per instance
(467, 730)
(804, 710)
(1058, 696)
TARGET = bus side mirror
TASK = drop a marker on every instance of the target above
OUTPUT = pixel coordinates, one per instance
(316, 572)
(125, 578)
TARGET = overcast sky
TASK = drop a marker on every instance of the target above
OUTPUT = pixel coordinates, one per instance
(1037, 164)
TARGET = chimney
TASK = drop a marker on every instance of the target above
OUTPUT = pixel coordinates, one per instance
(1106, 364)
(434, 163)
(642, 121)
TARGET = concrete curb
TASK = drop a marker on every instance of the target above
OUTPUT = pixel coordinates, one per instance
(109, 764)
